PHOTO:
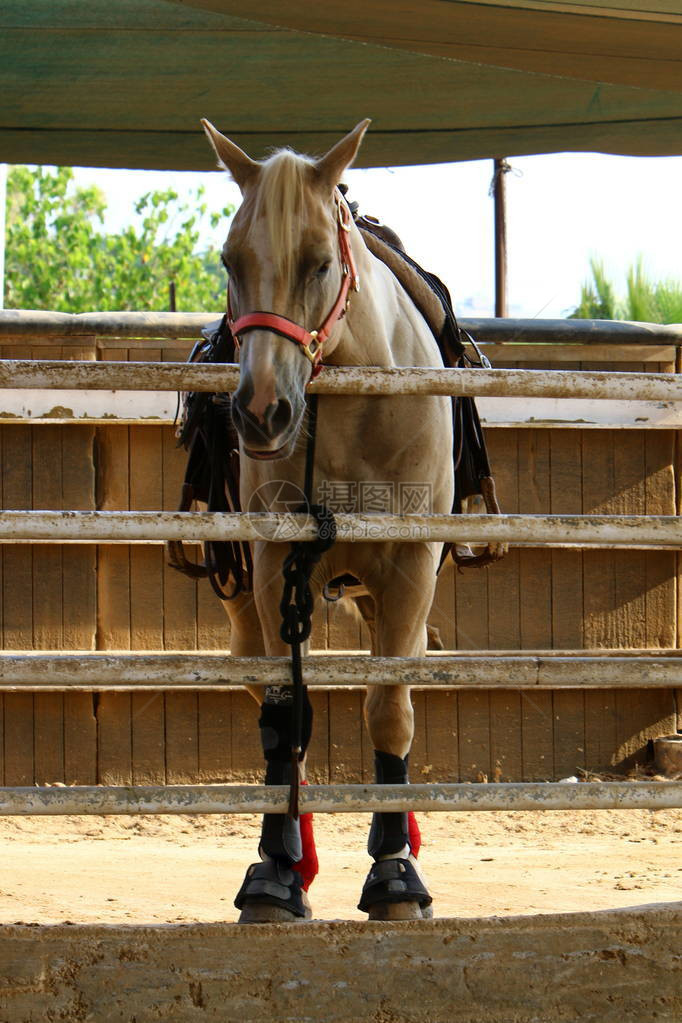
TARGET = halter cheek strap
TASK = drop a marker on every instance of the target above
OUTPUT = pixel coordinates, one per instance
(310, 342)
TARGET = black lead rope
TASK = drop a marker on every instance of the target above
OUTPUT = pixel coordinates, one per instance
(297, 603)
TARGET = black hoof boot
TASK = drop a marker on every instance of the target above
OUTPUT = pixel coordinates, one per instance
(394, 890)
(272, 893)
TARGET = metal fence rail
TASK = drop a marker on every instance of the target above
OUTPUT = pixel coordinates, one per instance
(17, 323)
(105, 672)
(95, 671)
(209, 799)
(529, 530)
(505, 383)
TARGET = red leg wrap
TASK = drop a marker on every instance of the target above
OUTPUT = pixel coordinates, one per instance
(415, 834)
(308, 865)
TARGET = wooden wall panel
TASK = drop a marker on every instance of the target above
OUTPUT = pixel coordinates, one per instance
(120, 597)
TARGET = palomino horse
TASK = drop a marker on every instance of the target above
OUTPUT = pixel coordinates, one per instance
(293, 254)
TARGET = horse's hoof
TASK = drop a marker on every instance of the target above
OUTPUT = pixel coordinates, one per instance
(262, 913)
(395, 911)
(394, 891)
(272, 893)
(427, 912)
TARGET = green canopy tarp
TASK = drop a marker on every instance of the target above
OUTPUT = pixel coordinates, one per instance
(123, 84)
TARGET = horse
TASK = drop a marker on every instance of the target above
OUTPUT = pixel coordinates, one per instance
(303, 290)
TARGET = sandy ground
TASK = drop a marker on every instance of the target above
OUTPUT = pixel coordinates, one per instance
(171, 869)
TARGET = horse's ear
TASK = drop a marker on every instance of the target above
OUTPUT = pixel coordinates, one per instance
(330, 167)
(230, 157)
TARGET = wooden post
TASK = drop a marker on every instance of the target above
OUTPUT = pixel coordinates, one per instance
(499, 198)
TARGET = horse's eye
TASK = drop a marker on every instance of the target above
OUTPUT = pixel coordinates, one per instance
(323, 268)
(226, 265)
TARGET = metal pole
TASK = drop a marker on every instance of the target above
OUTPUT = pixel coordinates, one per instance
(502, 383)
(636, 531)
(500, 202)
(86, 671)
(172, 799)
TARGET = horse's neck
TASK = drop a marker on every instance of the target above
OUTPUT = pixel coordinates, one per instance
(383, 327)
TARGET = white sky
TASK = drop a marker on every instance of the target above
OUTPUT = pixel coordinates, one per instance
(562, 209)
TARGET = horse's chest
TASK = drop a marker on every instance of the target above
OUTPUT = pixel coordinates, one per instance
(373, 437)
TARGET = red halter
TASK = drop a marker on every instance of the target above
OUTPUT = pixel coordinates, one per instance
(309, 341)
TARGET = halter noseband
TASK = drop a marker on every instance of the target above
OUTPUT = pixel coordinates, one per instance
(309, 341)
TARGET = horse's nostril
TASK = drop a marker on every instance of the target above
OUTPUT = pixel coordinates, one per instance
(278, 416)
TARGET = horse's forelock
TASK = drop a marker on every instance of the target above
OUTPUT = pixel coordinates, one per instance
(281, 198)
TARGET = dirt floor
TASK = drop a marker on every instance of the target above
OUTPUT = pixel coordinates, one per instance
(170, 869)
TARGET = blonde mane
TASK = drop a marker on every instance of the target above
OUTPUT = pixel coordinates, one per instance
(281, 200)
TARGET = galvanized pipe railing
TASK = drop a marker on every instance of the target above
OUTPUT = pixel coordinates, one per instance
(223, 799)
(18, 323)
(529, 530)
(100, 671)
(503, 383)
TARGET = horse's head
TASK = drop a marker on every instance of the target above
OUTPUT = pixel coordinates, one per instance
(284, 256)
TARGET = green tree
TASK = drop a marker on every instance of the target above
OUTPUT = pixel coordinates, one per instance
(57, 256)
(645, 300)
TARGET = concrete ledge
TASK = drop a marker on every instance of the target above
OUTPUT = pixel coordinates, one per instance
(601, 967)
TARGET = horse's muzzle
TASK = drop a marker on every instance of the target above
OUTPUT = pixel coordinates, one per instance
(268, 435)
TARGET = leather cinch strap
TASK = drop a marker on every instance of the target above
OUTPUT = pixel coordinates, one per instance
(310, 341)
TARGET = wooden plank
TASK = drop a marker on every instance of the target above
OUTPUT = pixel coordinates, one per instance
(215, 737)
(505, 621)
(146, 562)
(19, 765)
(114, 710)
(345, 736)
(535, 566)
(601, 739)
(420, 765)
(568, 466)
(213, 623)
(146, 604)
(48, 709)
(182, 738)
(17, 602)
(506, 736)
(600, 493)
(248, 764)
(48, 738)
(567, 566)
(537, 736)
(317, 763)
(179, 625)
(552, 354)
(503, 578)
(641, 716)
(179, 633)
(442, 752)
(147, 739)
(474, 736)
(662, 498)
(80, 739)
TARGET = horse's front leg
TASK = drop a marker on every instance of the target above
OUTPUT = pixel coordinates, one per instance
(402, 589)
(274, 889)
